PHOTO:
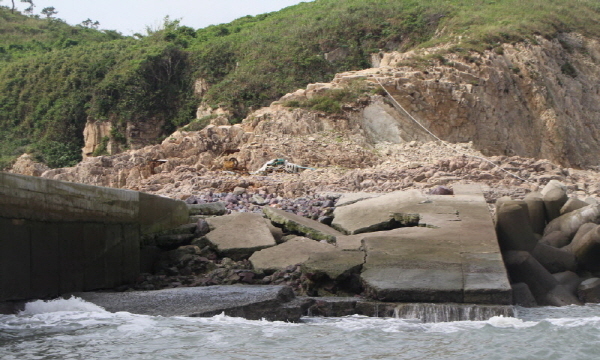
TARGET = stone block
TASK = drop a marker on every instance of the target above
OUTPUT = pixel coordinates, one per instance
(157, 213)
(522, 267)
(414, 285)
(514, 229)
(569, 280)
(239, 235)
(292, 252)
(572, 204)
(570, 222)
(522, 296)
(553, 259)
(554, 200)
(537, 212)
(587, 249)
(374, 214)
(336, 265)
(555, 239)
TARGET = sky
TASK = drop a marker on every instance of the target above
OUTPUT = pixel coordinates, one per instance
(134, 16)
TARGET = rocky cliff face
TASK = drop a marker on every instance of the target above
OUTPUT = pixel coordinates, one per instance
(537, 99)
(532, 100)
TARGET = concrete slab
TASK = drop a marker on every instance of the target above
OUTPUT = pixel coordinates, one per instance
(293, 252)
(373, 214)
(252, 302)
(299, 224)
(351, 198)
(455, 259)
(239, 235)
(336, 265)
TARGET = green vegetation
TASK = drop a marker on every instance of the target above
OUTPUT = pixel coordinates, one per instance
(331, 100)
(53, 76)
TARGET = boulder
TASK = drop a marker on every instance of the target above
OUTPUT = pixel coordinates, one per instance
(299, 224)
(537, 212)
(587, 249)
(554, 200)
(553, 259)
(522, 296)
(239, 235)
(523, 267)
(569, 280)
(589, 290)
(292, 252)
(572, 204)
(570, 222)
(514, 229)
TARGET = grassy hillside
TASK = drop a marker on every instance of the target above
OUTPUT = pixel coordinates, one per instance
(54, 76)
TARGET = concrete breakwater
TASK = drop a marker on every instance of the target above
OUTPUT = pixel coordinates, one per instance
(388, 249)
(58, 237)
(379, 250)
(551, 247)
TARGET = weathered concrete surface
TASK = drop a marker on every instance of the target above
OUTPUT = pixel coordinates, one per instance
(58, 237)
(425, 312)
(239, 235)
(34, 198)
(457, 260)
(271, 302)
(292, 252)
(351, 198)
(299, 224)
(335, 265)
(375, 214)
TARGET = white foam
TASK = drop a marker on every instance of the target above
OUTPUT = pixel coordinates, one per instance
(510, 322)
(59, 305)
(576, 322)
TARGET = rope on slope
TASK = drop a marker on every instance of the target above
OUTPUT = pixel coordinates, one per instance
(444, 142)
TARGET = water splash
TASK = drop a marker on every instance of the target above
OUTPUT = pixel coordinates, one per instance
(58, 305)
(452, 312)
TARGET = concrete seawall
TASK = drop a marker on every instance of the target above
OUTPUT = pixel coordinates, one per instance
(58, 237)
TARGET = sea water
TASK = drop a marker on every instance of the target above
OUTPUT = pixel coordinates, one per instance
(75, 329)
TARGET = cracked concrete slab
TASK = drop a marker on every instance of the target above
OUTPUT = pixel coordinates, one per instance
(455, 259)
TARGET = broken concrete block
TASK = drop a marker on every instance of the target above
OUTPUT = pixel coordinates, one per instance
(239, 235)
(292, 252)
(301, 225)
